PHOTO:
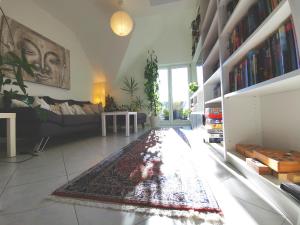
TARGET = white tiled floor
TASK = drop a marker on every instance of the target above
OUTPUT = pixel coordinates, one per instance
(24, 188)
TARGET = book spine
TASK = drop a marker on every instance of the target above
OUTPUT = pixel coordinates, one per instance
(284, 53)
(292, 44)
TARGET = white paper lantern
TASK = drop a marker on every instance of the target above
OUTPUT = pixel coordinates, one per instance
(121, 23)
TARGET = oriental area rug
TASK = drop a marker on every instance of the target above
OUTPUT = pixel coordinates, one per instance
(151, 176)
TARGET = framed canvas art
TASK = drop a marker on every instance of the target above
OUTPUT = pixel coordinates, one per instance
(51, 62)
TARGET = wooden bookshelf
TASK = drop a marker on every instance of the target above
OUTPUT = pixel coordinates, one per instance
(261, 114)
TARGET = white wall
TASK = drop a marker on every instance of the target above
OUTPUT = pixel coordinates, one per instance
(281, 126)
(168, 34)
(28, 13)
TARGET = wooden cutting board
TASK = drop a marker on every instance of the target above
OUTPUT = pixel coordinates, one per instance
(280, 161)
(258, 167)
(247, 150)
(292, 177)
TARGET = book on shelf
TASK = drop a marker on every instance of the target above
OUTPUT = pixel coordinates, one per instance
(230, 7)
(257, 13)
(213, 121)
(276, 56)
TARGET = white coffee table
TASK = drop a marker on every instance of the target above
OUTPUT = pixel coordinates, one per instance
(10, 132)
(115, 114)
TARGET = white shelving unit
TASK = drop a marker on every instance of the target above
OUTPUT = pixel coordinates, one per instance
(264, 113)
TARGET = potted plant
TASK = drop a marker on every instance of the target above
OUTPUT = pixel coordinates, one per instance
(152, 87)
(130, 86)
(193, 86)
(166, 114)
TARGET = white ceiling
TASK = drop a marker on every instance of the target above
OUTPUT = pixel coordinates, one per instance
(89, 20)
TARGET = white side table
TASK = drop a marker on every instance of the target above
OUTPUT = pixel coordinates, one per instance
(10, 132)
(115, 114)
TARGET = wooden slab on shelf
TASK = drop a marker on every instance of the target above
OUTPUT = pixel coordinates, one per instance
(258, 167)
(292, 177)
(280, 161)
(247, 150)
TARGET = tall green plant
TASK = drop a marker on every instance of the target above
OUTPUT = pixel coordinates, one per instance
(130, 86)
(151, 84)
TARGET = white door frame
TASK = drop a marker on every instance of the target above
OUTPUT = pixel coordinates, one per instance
(171, 121)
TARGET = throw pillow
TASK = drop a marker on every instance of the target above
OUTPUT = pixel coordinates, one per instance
(97, 108)
(66, 109)
(40, 102)
(87, 109)
(17, 103)
(55, 108)
(78, 110)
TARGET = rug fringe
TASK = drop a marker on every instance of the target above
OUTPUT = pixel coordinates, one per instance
(200, 217)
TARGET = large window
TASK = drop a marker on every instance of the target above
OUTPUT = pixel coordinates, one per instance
(174, 94)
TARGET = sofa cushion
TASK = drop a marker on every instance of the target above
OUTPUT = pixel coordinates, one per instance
(87, 109)
(74, 120)
(66, 109)
(18, 104)
(55, 109)
(78, 110)
(39, 102)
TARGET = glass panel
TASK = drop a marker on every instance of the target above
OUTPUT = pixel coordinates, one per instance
(180, 93)
(164, 94)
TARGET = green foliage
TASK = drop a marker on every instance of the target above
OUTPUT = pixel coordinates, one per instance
(193, 86)
(12, 64)
(130, 86)
(137, 104)
(110, 104)
(151, 84)
(166, 114)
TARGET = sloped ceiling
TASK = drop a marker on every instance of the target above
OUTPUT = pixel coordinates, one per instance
(89, 20)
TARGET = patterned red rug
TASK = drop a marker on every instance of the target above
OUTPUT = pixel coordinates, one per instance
(150, 175)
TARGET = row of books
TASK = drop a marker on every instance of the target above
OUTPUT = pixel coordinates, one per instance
(213, 125)
(278, 55)
(255, 16)
(230, 7)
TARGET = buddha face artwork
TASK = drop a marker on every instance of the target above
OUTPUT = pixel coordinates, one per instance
(51, 62)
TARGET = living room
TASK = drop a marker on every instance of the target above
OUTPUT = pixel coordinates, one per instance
(108, 127)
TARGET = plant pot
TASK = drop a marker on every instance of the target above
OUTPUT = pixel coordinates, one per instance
(175, 114)
(154, 121)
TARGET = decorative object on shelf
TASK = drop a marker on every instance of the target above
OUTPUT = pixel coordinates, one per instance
(121, 23)
(193, 87)
(128, 180)
(152, 87)
(278, 55)
(51, 62)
